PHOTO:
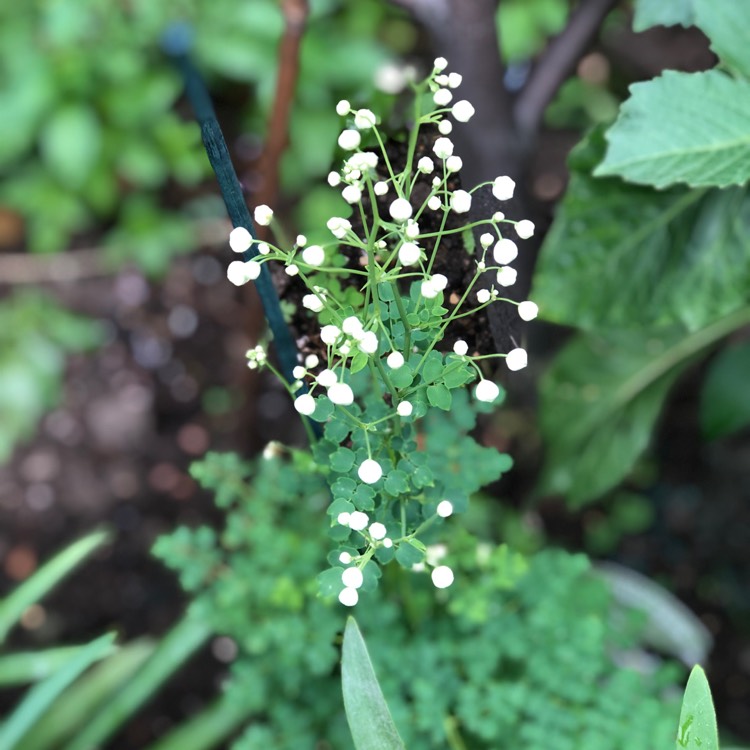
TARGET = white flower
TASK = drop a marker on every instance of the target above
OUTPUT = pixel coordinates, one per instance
(311, 360)
(439, 281)
(264, 248)
(263, 215)
(412, 230)
(380, 188)
(487, 391)
(238, 272)
(440, 63)
(240, 239)
(516, 359)
(387, 543)
(453, 163)
(461, 201)
(445, 508)
(345, 557)
(525, 229)
(358, 520)
(395, 360)
(454, 80)
(291, 270)
(443, 148)
(305, 404)
(506, 251)
(314, 255)
(445, 127)
(370, 471)
(349, 597)
(428, 290)
(338, 226)
(326, 378)
(252, 269)
(298, 372)
(341, 394)
(442, 97)
(400, 210)
(436, 181)
(528, 310)
(368, 343)
(352, 325)
(329, 334)
(351, 194)
(506, 276)
(463, 111)
(343, 518)
(352, 578)
(344, 349)
(391, 78)
(334, 178)
(483, 295)
(442, 577)
(441, 80)
(404, 409)
(349, 139)
(498, 216)
(460, 347)
(364, 119)
(377, 530)
(425, 165)
(434, 203)
(409, 254)
(312, 302)
(502, 188)
(343, 108)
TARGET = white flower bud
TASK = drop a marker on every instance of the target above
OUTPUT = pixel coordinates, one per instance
(486, 239)
(409, 254)
(237, 273)
(368, 343)
(506, 251)
(364, 119)
(506, 276)
(326, 378)
(352, 578)
(334, 179)
(445, 127)
(483, 296)
(445, 508)
(311, 360)
(434, 203)
(411, 231)
(525, 229)
(352, 325)
(502, 188)
(298, 372)
(345, 557)
(263, 215)
(528, 310)
(440, 64)
(329, 334)
(442, 97)
(380, 188)
(400, 210)
(264, 248)
(338, 226)
(425, 165)
(460, 347)
(486, 391)
(343, 518)
(312, 302)
(395, 360)
(349, 139)
(291, 270)
(461, 201)
(341, 394)
(404, 409)
(343, 108)
(305, 404)
(463, 111)
(454, 80)
(349, 597)
(351, 194)
(387, 543)
(369, 471)
(314, 255)
(454, 163)
(358, 520)
(240, 239)
(377, 530)
(516, 359)
(439, 281)
(442, 577)
(443, 148)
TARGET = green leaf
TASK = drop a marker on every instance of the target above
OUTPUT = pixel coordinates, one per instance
(650, 13)
(359, 362)
(70, 143)
(342, 460)
(401, 377)
(631, 257)
(39, 698)
(438, 395)
(46, 578)
(726, 22)
(369, 719)
(689, 128)
(324, 409)
(697, 728)
(410, 553)
(330, 582)
(725, 399)
(396, 483)
(457, 374)
(433, 367)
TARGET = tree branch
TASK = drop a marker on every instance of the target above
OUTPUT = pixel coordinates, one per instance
(556, 64)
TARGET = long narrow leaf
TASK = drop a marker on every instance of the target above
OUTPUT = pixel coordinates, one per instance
(370, 721)
(86, 696)
(39, 698)
(697, 729)
(46, 578)
(208, 729)
(175, 649)
(32, 666)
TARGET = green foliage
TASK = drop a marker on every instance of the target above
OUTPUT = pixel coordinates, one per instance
(725, 400)
(88, 101)
(35, 335)
(367, 713)
(517, 651)
(650, 13)
(697, 728)
(525, 25)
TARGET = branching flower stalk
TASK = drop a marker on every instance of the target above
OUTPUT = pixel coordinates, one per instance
(381, 369)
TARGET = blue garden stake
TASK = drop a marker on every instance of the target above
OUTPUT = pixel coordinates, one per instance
(176, 42)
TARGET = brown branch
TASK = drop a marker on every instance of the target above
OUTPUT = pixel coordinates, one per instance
(556, 64)
(295, 15)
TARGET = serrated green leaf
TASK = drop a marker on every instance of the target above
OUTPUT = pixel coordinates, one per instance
(726, 22)
(650, 13)
(337, 430)
(691, 128)
(697, 728)
(438, 395)
(725, 399)
(369, 719)
(624, 256)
